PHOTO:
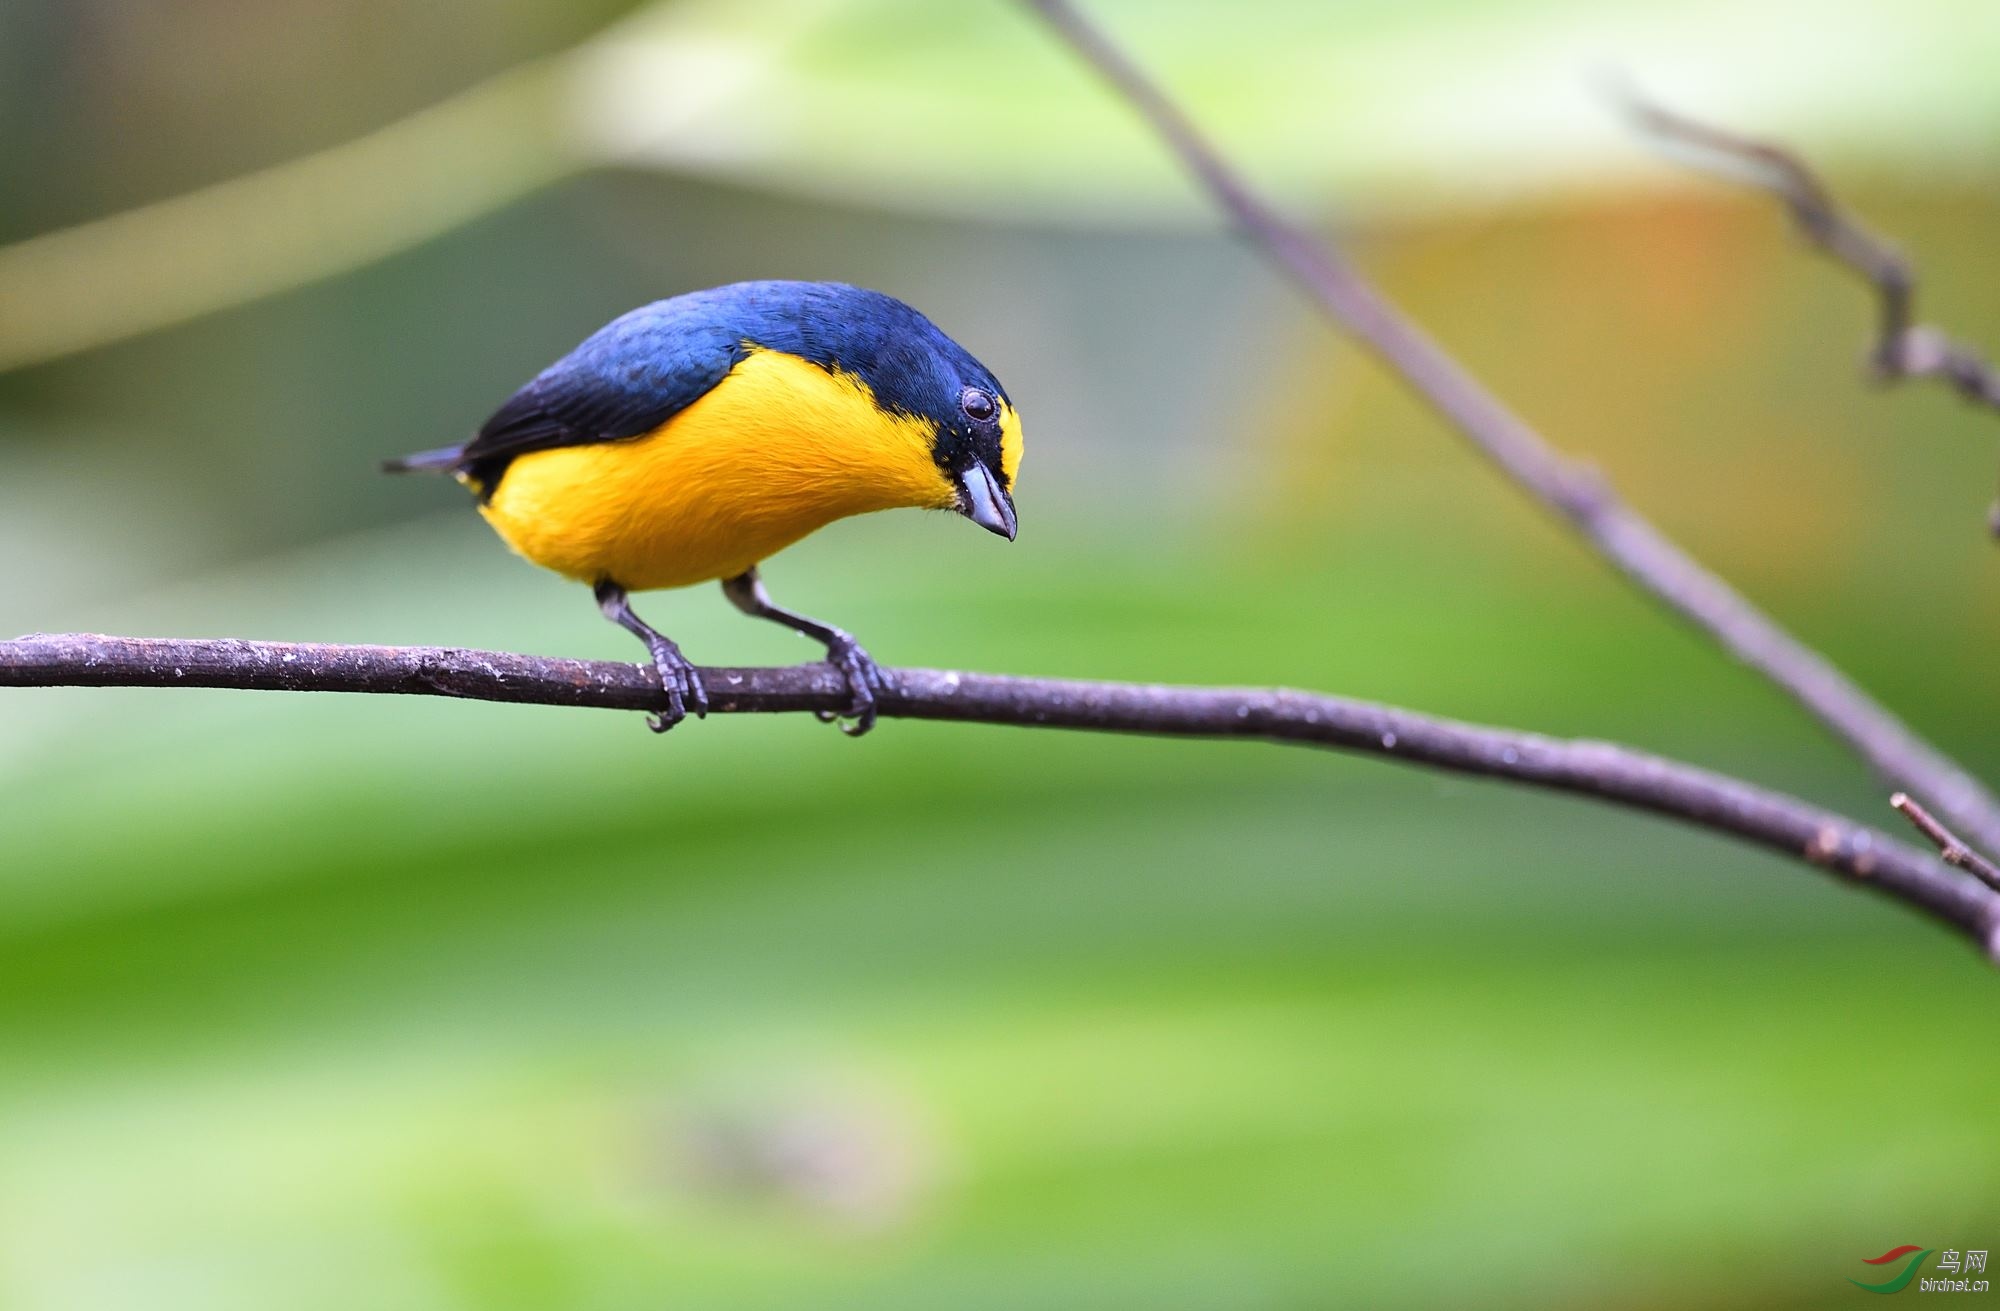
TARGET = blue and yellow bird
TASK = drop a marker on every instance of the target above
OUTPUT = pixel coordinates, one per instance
(695, 437)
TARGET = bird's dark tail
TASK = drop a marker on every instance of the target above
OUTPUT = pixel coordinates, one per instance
(442, 460)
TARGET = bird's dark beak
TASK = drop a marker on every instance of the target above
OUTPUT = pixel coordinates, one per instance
(982, 500)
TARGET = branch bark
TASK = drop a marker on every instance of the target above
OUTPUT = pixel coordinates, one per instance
(1573, 492)
(1600, 770)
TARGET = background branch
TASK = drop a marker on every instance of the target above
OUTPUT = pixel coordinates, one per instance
(285, 226)
(1903, 347)
(1601, 770)
(1575, 493)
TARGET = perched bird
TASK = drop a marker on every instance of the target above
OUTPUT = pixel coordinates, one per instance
(695, 437)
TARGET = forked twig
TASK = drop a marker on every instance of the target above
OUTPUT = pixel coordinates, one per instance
(1903, 348)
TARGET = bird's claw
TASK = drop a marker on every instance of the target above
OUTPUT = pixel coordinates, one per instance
(682, 686)
(864, 680)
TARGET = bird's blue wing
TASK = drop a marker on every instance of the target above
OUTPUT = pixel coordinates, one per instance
(627, 379)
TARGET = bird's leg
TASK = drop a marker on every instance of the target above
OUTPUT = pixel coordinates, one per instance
(678, 678)
(864, 677)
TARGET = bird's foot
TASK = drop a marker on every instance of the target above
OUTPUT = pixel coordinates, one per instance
(680, 682)
(864, 680)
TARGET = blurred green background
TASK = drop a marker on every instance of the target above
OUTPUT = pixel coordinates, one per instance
(318, 1002)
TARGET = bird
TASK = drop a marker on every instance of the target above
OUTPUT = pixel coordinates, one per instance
(693, 438)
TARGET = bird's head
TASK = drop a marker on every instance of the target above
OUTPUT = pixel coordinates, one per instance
(935, 428)
(970, 428)
(977, 448)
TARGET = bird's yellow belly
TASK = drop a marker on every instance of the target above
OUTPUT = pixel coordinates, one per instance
(777, 450)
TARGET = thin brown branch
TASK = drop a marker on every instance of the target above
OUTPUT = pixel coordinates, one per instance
(1628, 541)
(1903, 347)
(1950, 850)
(1600, 770)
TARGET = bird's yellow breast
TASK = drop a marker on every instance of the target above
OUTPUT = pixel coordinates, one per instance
(779, 448)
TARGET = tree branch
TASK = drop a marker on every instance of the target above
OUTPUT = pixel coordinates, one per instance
(1601, 770)
(1574, 492)
(1903, 347)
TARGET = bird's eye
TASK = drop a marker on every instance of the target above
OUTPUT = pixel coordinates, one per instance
(978, 406)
